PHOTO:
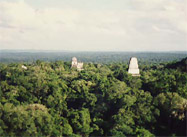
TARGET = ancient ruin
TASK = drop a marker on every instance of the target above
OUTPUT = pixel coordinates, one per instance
(133, 67)
(76, 64)
(24, 67)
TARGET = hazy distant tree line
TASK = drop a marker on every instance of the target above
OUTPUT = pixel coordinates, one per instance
(51, 99)
(94, 57)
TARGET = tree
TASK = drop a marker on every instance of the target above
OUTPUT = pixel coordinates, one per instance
(80, 121)
(27, 120)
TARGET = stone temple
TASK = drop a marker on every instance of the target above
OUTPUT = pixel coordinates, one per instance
(76, 64)
(133, 67)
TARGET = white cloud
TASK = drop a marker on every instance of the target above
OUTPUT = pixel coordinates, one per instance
(145, 25)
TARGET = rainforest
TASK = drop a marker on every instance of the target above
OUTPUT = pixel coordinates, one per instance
(49, 98)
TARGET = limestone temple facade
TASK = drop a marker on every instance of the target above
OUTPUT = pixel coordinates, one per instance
(133, 67)
(76, 64)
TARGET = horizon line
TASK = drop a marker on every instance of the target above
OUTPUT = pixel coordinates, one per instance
(51, 50)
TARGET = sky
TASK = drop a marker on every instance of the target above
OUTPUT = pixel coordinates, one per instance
(94, 25)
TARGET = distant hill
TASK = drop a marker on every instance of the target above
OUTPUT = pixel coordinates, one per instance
(180, 65)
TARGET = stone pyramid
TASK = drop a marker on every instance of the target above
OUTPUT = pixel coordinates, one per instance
(133, 67)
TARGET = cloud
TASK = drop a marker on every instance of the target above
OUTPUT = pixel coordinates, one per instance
(142, 26)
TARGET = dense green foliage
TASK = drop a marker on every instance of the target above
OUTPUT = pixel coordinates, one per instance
(51, 99)
(181, 65)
